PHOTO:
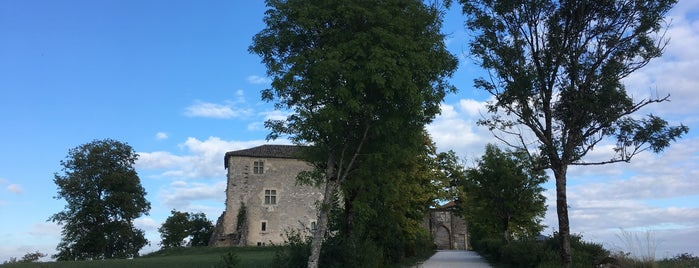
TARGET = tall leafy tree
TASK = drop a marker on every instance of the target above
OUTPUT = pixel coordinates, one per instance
(556, 68)
(504, 195)
(104, 195)
(355, 74)
(392, 194)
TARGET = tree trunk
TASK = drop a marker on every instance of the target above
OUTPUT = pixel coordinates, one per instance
(331, 185)
(563, 222)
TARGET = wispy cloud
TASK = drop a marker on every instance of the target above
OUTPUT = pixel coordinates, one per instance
(15, 188)
(216, 110)
(161, 136)
(182, 196)
(254, 79)
(11, 187)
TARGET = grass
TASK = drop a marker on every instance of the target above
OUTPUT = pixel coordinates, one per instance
(172, 258)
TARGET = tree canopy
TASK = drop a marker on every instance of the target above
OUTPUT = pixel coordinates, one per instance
(357, 76)
(556, 70)
(504, 196)
(104, 195)
(181, 225)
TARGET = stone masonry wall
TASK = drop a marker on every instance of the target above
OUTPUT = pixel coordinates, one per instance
(295, 207)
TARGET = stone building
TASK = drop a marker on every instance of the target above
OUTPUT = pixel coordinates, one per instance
(263, 180)
(448, 230)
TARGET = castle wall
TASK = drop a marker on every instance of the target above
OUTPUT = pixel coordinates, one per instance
(272, 199)
(448, 230)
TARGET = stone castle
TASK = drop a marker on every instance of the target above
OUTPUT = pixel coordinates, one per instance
(263, 202)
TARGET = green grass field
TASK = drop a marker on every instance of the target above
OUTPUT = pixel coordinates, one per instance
(172, 258)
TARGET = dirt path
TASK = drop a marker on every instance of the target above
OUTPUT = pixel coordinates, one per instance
(455, 258)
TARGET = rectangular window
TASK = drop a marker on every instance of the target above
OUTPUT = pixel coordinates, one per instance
(264, 226)
(314, 226)
(270, 197)
(258, 167)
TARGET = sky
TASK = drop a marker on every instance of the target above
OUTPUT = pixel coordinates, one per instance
(175, 80)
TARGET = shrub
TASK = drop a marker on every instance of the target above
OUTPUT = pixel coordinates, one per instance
(294, 252)
(523, 253)
(229, 260)
(680, 260)
(539, 253)
(351, 251)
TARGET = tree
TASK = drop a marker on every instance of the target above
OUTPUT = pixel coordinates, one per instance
(104, 195)
(181, 225)
(32, 256)
(175, 229)
(504, 195)
(200, 230)
(388, 194)
(555, 74)
(355, 74)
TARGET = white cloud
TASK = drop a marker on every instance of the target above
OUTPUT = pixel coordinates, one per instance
(472, 108)
(254, 79)
(675, 72)
(161, 136)
(456, 130)
(215, 110)
(147, 224)
(202, 159)
(181, 197)
(15, 188)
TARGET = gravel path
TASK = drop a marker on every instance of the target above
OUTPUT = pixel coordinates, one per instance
(455, 258)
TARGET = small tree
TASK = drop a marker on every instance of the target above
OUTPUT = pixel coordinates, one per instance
(200, 230)
(504, 195)
(181, 225)
(104, 195)
(175, 229)
(32, 256)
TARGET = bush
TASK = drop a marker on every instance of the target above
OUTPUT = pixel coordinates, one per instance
(294, 252)
(229, 260)
(523, 253)
(680, 260)
(539, 253)
(351, 251)
(491, 249)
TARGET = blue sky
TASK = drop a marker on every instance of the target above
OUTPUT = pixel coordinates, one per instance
(174, 80)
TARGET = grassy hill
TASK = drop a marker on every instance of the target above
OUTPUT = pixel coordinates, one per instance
(172, 258)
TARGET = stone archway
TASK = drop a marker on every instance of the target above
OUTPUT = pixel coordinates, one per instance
(442, 238)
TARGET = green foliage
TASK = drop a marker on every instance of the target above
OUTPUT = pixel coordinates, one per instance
(242, 218)
(392, 194)
(200, 230)
(353, 251)
(229, 260)
(180, 225)
(530, 252)
(175, 229)
(362, 79)
(680, 260)
(32, 256)
(504, 196)
(294, 252)
(104, 195)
